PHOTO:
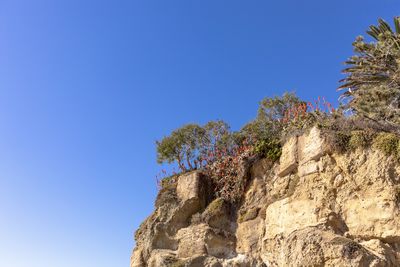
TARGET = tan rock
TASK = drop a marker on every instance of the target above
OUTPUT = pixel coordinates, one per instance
(373, 216)
(161, 258)
(383, 251)
(315, 208)
(198, 240)
(192, 241)
(308, 168)
(247, 241)
(136, 258)
(313, 247)
(369, 203)
(287, 215)
(188, 186)
(288, 160)
(217, 215)
(261, 169)
(311, 146)
(219, 245)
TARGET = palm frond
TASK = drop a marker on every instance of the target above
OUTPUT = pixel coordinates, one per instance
(384, 27)
(396, 21)
(374, 32)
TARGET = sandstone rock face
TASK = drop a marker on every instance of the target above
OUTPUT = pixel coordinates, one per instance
(314, 208)
(289, 158)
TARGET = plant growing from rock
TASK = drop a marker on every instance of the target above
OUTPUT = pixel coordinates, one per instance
(388, 143)
(270, 149)
(304, 115)
(360, 139)
(228, 173)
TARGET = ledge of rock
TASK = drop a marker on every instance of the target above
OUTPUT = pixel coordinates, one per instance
(313, 208)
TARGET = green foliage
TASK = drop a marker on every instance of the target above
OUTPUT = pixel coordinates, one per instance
(215, 206)
(338, 140)
(258, 129)
(359, 139)
(248, 214)
(274, 108)
(168, 181)
(372, 85)
(188, 144)
(388, 143)
(217, 136)
(270, 149)
(373, 76)
(181, 146)
(269, 121)
(303, 123)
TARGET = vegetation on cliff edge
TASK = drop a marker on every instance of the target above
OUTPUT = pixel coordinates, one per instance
(369, 115)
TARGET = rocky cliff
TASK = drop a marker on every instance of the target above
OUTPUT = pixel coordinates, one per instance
(314, 207)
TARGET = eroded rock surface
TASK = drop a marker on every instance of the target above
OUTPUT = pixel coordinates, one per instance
(314, 208)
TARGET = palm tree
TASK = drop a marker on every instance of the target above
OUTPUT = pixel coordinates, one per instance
(372, 83)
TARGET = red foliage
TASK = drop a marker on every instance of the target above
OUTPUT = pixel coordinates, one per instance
(300, 111)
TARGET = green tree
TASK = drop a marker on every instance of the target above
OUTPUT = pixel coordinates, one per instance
(188, 145)
(268, 123)
(181, 146)
(218, 135)
(372, 84)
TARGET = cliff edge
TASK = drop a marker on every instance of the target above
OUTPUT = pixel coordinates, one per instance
(314, 207)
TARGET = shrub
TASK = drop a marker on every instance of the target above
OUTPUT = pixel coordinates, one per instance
(359, 139)
(168, 181)
(338, 140)
(304, 115)
(248, 214)
(215, 207)
(270, 149)
(228, 173)
(387, 143)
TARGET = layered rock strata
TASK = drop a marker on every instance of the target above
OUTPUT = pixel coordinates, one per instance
(312, 208)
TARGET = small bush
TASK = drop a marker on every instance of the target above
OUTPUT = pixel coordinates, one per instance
(302, 116)
(301, 124)
(387, 143)
(215, 206)
(359, 139)
(168, 181)
(228, 174)
(338, 140)
(248, 215)
(269, 149)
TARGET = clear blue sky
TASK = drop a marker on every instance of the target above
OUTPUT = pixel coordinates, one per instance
(86, 87)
